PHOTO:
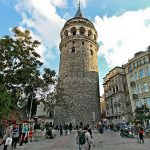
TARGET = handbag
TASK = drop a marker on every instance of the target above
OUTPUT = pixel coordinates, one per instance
(8, 141)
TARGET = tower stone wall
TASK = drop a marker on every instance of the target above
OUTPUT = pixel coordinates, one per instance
(78, 72)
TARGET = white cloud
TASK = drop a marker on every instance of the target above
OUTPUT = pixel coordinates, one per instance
(122, 36)
(43, 20)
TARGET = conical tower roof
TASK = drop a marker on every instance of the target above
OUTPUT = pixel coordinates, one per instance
(78, 13)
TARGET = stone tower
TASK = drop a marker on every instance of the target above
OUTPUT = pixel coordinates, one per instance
(78, 72)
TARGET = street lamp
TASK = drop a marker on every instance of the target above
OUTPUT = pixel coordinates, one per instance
(30, 112)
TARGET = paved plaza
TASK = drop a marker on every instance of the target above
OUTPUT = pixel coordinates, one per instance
(112, 141)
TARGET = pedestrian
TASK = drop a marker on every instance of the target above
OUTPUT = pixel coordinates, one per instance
(61, 130)
(136, 132)
(7, 135)
(24, 135)
(84, 140)
(100, 132)
(66, 129)
(15, 136)
(70, 127)
(141, 132)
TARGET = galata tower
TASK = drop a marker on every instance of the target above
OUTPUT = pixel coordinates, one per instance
(78, 72)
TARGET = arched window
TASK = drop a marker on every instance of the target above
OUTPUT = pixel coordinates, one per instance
(90, 33)
(91, 52)
(82, 30)
(73, 30)
(66, 33)
(94, 37)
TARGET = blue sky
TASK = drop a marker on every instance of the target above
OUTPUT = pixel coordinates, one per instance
(123, 27)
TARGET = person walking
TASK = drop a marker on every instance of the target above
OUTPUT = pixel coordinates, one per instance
(141, 132)
(15, 136)
(100, 132)
(84, 140)
(70, 127)
(8, 134)
(61, 130)
(66, 129)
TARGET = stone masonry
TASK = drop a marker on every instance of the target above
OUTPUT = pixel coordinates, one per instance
(78, 72)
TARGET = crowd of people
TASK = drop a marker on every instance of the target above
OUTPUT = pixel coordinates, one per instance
(16, 133)
(23, 133)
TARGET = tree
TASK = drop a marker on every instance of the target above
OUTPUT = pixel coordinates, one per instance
(142, 113)
(22, 74)
(5, 101)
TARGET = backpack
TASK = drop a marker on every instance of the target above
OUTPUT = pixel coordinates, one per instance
(101, 130)
(82, 138)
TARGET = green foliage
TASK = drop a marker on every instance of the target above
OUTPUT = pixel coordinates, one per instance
(142, 113)
(5, 101)
(20, 74)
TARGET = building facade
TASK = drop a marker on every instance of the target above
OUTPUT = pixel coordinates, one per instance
(78, 72)
(118, 106)
(138, 79)
(103, 107)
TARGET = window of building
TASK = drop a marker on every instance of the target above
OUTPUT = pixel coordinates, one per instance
(114, 89)
(124, 87)
(139, 63)
(144, 60)
(90, 45)
(129, 69)
(136, 75)
(131, 78)
(90, 33)
(142, 73)
(66, 33)
(73, 31)
(91, 52)
(139, 88)
(134, 65)
(73, 49)
(94, 37)
(148, 71)
(51, 114)
(82, 43)
(148, 101)
(82, 30)
(145, 87)
(117, 88)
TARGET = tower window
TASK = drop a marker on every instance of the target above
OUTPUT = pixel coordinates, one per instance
(66, 33)
(73, 30)
(74, 33)
(73, 49)
(94, 37)
(91, 52)
(90, 45)
(82, 30)
(82, 43)
(90, 33)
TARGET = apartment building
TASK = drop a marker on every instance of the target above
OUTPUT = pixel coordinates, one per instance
(138, 78)
(118, 106)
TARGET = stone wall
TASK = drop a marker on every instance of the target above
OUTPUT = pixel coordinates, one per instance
(78, 73)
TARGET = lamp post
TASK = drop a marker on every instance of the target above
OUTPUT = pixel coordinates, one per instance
(31, 104)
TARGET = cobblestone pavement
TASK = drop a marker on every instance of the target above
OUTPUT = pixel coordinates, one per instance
(112, 141)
